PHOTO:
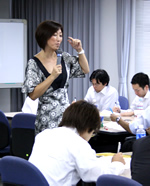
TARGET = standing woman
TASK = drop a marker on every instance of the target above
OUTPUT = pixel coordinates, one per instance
(47, 80)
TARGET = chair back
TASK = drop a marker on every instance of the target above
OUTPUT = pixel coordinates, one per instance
(23, 134)
(113, 180)
(18, 171)
(5, 132)
(124, 103)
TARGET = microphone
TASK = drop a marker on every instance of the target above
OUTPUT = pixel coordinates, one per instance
(59, 55)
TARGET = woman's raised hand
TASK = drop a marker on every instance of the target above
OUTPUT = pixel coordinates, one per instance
(75, 43)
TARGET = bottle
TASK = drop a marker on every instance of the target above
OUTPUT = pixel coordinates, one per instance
(140, 132)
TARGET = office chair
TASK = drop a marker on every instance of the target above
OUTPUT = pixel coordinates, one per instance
(18, 171)
(5, 132)
(23, 134)
(113, 180)
(124, 103)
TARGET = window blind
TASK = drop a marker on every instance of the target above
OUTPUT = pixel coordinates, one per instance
(142, 36)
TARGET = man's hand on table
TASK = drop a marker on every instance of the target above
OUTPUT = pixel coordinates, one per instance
(118, 157)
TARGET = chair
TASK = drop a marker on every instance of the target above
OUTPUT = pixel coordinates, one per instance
(5, 132)
(23, 134)
(124, 103)
(18, 171)
(113, 180)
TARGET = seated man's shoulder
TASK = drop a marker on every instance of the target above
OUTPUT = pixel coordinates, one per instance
(112, 89)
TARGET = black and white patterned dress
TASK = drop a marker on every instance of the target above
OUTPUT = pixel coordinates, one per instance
(55, 100)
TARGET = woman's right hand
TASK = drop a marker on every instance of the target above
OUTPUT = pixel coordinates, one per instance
(57, 70)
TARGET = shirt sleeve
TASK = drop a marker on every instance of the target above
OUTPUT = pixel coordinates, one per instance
(142, 119)
(90, 167)
(88, 96)
(32, 77)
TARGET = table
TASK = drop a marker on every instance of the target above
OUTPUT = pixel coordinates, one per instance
(10, 115)
(108, 137)
(126, 173)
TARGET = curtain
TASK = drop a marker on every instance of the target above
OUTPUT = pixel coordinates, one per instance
(80, 19)
(132, 61)
(124, 10)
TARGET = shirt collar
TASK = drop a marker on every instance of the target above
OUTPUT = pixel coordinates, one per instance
(147, 94)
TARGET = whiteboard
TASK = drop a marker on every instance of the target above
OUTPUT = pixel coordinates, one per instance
(13, 52)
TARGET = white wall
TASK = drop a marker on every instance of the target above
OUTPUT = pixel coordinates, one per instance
(108, 51)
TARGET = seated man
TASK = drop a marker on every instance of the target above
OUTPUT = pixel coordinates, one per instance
(140, 84)
(100, 93)
(131, 127)
(64, 155)
(140, 161)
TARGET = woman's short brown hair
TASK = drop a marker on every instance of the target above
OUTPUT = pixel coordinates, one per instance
(45, 30)
(81, 115)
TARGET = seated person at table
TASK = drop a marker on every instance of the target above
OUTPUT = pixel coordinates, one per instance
(140, 84)
(132, 126)
(64, 155)
(101, 93)
(140, 161)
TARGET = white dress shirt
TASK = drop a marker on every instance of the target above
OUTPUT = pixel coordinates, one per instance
(135, 104)
(143, 119)
(104, 99)
(64, 158)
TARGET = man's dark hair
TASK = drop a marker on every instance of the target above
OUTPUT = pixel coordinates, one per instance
(45, 30)
(101, 76)
(141, 79)
(81, 115)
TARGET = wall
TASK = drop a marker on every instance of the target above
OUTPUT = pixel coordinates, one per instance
(5, 93)
(108, 51)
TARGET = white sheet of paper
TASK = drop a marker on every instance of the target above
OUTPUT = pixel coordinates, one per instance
(114, 125)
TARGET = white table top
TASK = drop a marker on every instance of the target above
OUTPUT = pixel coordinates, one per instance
(110, 126)
(11, 114)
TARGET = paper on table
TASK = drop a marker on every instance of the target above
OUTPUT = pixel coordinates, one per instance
(127, 172)
(114, 125)
(106, 114)
(111, 154)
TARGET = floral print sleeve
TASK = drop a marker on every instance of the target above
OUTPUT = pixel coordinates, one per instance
(32, 77)
(75, 69)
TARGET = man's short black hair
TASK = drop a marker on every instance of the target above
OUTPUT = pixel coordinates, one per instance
(141, 79)
(100, 75)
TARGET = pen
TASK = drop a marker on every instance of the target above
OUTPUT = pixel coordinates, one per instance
(119, 147)
(111, 110)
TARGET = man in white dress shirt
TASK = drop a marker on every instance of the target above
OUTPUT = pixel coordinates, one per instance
(64, 155)
(140, 84)
(143, 119)
(101, 93)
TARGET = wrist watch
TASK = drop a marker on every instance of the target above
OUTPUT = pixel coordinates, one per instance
(118, 119)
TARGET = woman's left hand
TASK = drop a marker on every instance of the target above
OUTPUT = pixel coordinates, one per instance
(75, 43)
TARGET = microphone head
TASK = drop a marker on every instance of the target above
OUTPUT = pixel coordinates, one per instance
(59, 52)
